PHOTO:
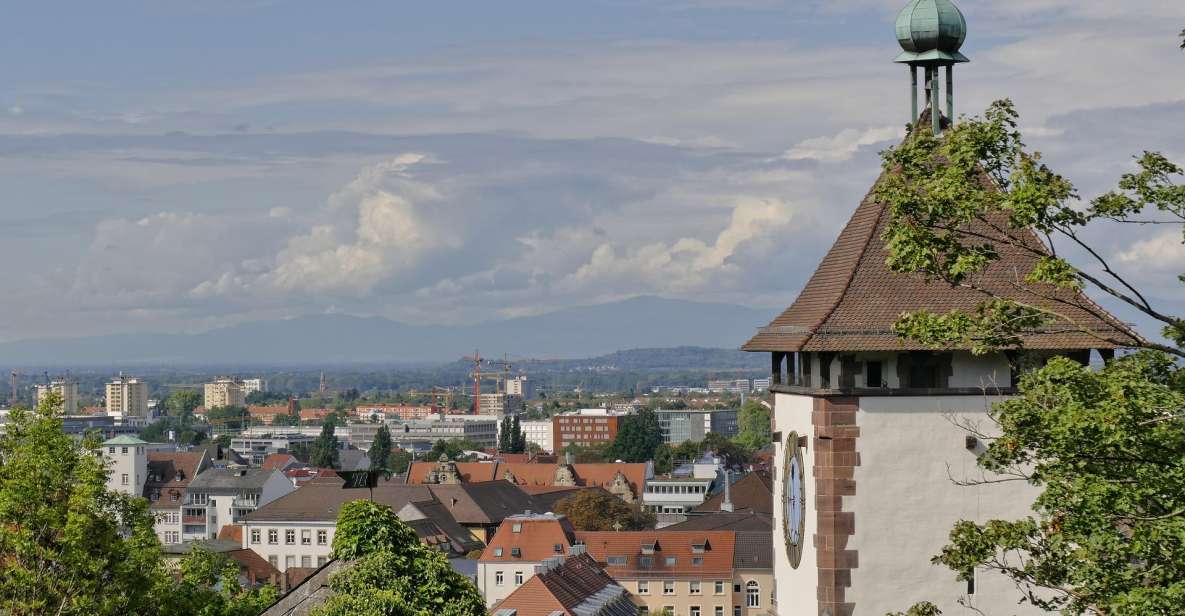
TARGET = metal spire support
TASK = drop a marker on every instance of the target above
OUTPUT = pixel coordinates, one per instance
(913, 92)
(930, 33)
(950, 93)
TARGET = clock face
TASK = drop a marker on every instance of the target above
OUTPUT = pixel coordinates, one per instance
(794, 495)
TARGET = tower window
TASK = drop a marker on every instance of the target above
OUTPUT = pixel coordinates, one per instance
(872, 374)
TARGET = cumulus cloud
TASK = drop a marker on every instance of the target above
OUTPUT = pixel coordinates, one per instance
(1165, 250)
(844, 145)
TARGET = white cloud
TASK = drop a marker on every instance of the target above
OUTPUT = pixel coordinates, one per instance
(1165, 250)
(844, 145)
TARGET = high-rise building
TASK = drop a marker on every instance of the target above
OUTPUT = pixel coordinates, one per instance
(127, 397)
(863, 417)
(520, 386)
(252, 385)
(501, 404)
(68, 390)
(224, 392)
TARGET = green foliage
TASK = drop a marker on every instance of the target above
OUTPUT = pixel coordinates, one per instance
(588, 454)
(453, 448)
(380, 450)
(324, 452)
(598, 510)
(229, 417)
(664, 459)
(265, 398)
(68, 546)
(390, 572)
(638, 437)
(924, 608)
(72, 547)
(753, 419)
(958, 202)
(518, 438)
(286, 419)
(181, 404)
(399, 461)
(209, 585)
(1105, 448)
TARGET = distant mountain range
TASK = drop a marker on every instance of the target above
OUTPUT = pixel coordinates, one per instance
(587, 331)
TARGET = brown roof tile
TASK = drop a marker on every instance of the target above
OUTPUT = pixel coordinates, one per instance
(539, 474)
(753, 492)
(535, 540)
(169, 474)
(566, 587)
(717, 554)
(852, 300)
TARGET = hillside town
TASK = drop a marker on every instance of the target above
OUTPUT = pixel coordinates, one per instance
(965, 408)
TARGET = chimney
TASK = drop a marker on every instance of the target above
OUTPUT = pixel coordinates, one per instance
(727, 504)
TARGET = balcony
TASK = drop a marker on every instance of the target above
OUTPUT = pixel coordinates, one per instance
(193, 519)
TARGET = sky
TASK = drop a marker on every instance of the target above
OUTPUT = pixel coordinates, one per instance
(178, 166)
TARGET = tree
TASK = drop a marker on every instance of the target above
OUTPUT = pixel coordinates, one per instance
(664, 459)
(390, 572)
(731, 454)
(588, 454)
(286, 419)
(181, 404)
(71, 547)
(753, 419)
(229, 417)
(453, 448)
(637, 438)
(959, 202)
(1104, 446)
(595, 509)
(504, 437)
(518, 439)
(399, 461)
(380, 450)
(324, 452)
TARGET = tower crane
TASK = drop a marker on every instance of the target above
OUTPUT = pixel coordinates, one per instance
(476, 374)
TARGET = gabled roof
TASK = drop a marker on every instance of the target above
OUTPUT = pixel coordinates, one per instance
(852, 300)
(232, 479)
(539, 474)
(754, 550)
(483, 503)
(320, 501)
(169, 475)
(536, 539)
(576, 587)
(717, 560)
(279, 461)
(723, 520)
(753, 492)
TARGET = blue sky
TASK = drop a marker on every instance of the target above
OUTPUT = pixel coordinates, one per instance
(177, 166)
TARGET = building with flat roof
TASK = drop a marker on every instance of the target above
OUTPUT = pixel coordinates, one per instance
(585, 427)
(681, 425)
(127, 397)
(540, 433)
(224, 391)
(68, 390)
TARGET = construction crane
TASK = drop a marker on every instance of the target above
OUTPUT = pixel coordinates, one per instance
(434, 394)
(476, 374)
(502, 377)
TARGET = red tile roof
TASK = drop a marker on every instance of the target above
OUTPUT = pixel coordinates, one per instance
(717, 552)
(538, 474)
(279, 461)
(169, 474)
(562, 589)
(852, 300)
(536, 539)
(231, 532)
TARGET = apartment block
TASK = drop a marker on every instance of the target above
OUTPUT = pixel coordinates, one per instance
(253, 385)
(224, 392)
(585, 427)
(68, 390)
(539, 433)
(521, 545)
(127, 397)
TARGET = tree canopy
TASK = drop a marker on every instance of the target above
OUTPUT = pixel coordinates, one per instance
(753, 419)
(637, 438)
(324, 452)
(1104, 446)
(380, 450)
(596, 509)
(391, 572)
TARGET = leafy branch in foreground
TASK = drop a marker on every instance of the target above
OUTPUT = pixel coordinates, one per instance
(960, 202)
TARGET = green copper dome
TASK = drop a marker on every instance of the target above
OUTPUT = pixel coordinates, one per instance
(931, 32)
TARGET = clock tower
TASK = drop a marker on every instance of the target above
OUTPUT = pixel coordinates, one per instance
(870, 428)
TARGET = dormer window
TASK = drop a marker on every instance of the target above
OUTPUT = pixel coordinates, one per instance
(559, 548)
(699, 547)
(650, 548)
(516, 528)
(516, 552)
(498, 552)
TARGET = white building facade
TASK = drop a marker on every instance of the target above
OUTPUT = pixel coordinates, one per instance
(539, 433)
(127, 397)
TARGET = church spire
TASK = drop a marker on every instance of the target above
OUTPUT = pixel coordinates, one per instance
(930, 33)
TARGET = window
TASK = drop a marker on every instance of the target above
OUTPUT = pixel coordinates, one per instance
(321, 560)
(643, 610)
(670, 560)
(289, 562)
(173, 496)
(668, 587)
(499, 578)
(753, 594)
(123, 479)
(616, 561)
(254, 535)
(697, 561)
(498, 552)
(111, 450)
(290, 536)
(693, 611)
(643, 587)
(306, 561)
(516, 528)
(516, 552)
(736, 610)
(123, 450)
(274, 561)
(306, 537)
(322, 537)
(172, 536)
(273, 536)
(559, 548)
(719, 610)
(645, 561)
(518, 578)
(719, 589)
(872, 376)
(693, 587)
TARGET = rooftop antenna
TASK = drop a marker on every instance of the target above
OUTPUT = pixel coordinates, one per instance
(930, 33)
